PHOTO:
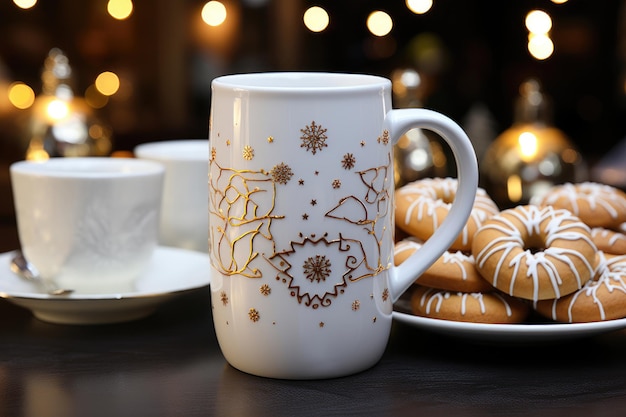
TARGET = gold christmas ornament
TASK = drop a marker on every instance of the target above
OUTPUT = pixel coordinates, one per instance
(530, 156)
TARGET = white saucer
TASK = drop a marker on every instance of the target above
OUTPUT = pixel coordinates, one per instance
(510, 333)
(172, 271)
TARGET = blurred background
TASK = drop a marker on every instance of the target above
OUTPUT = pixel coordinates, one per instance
(102, 76)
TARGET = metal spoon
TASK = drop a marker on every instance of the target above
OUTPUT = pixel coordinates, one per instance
(22, 268)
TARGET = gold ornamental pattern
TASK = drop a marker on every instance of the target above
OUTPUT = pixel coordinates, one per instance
(233, 201)
(316, 267)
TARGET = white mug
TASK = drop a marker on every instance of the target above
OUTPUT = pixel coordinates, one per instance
(184, 212)
(89, 224)
(301, 219)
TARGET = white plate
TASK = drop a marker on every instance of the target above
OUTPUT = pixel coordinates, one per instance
(172, 271)
(510, 333)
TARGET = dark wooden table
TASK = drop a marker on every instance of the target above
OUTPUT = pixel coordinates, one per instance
(169, 364)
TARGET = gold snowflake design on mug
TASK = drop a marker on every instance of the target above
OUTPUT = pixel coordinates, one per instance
(248, 153)
(313, 138)
(348, 161)
(317, 268)
(281, 173)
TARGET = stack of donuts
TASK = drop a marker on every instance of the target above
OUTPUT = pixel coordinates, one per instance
(562, 256)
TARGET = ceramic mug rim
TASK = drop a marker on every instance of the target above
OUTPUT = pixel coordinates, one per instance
(87, 167)
(302, 82)
(175, 150)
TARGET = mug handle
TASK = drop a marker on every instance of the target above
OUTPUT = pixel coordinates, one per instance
(399, 121)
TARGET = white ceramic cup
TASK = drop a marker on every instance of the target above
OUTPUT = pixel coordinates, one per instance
(89, 224)
(184, 211)
(301, 219)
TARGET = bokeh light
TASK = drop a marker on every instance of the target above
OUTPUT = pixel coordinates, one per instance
(25, 4)
(57, 109)
(107, 83)
(540, 46)
(214, 13)
(120, 9)
(379, 23)
(419, 6)
(529, 144)
(316, 19)
(538, 22)
(21, 95)
(94, 98)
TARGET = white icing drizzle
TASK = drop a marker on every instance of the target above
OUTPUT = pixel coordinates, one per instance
(457, 258)
(437, 297)
(613, 237)
(425, 202)
(407, 244)
(506, 305)
(595, 194)
(610, 274)
(511, 239)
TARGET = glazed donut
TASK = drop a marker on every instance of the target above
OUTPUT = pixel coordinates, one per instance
(602, 298)
(488, 307)
(597, 205)
(422, 205)
(609, 241)
(535, 253)
(452, 271)
(405, 248)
